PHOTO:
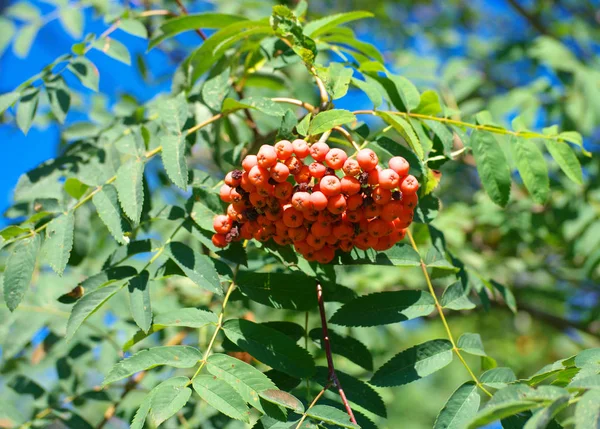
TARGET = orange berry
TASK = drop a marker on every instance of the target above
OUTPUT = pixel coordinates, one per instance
(258, 175)
(346, 245)
(337, 204)
(303, 175)
(399, 165)
(246, 184)
(301, 201)
(222, 224)
(365, 241)
(372, 211)
(384, 243)
(373, 178)
(225, 193)
(354, 215)
(249, 162)
(351, 167)
(350, 185)
(336, 158)
(331, 240)
(410, 201)
(246, 231)
(280, 172)
(320, 230)
(274, 213)
(282, 241)
(354, 201)
(391, 211)
(381, 195)
(235, 196)
(284, 149)
(330, 186)
(388, 179)
(292, 217)
(315, 241)
(325, 255)
(380, 228)
(311, 215)
(233, 178)
(317, 170)
(219, 240)
(301, 148)
(319, 151)
(297, 234)
(343, 231)
(319, 200)
(302, 247)
(265, 190)
(409, 185)
(266, 156)
(283, 191)
(367, 159)
(294, 165)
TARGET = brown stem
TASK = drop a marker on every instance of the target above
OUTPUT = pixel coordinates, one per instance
(185, 12)
(532, 19)
(327, 347)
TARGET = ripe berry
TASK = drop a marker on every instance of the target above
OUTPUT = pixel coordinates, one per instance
(319, 200)
(350, 185)
(316, 242)
(267, 156)
(258, 200)
(297, 234)
(219, 240)
(225, 193)
(258, 175)
(319, 151)
(373, 177)
(343, 231)
(409, 185)
(367, 159)
(294, 165)
(410, 201)
(246, 184)
(381, 195)
(301, 148)
(317, 170)
(337, 204)
(292, 217)
(330, 186)
(351, 167)
(279, 172)
(233, 179)
(222, 224)
(354, 201)
(336, 158)
(283, 190)
(399, 165)
(320, 230)
(303, 176)
(249, 162)
(301, 201)
(284, 149)
(388, 179)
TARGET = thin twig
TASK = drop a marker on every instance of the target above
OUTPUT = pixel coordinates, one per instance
(313, 403)
(185, 12)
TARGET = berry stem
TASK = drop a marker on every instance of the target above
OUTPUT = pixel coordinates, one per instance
(312, 404)
(455, 348)
(332, 379)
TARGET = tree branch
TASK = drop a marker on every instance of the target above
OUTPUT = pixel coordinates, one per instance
(185, 12)
(532, 19)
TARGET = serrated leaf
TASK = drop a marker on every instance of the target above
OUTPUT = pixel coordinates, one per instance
(331, 415)
(370, 89)
(114, 49)
(566, 160)
(27, 108)
(405, 129)
(532, 167)
(587, 411)
(284, 399)
(8, 99)
(588, 358)
(75, 188)
(86, 72)
(460, 408)
(247, 380)
(139, 300)
(383, 308)
(133, 27)
(130, 188)
(270, 347)
(492, 167)
(542, 418)
(175, 356)
(72, 20)
(278, 290)
(472, 344)
(328, 119)
(183, 317)
(88, 305)
(336, 78)
(216, 89)
(24, 39)
(174, 160)
(321, 26)
(168, 399)
(262, 104)
(505, 402)
(408, 92)
(20, 265)
(498, 377)
(173, 113)
(429, 104)
(59, 241)
(197, 267)
(302, 127)
(401, 255)
(576, 138)
(106, 202)
(454, 298)
(221, 396)
(414, 363)
(142, 413)
(349, 347)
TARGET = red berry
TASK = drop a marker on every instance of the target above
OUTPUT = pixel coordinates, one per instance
(330, 186)
(337, 204)
(353, 202)
(249, 162)
(350, 185)
(301, 201)
(231, 181)
(399, 165)
(279, 172)
(292, 217)
(301, 148)
(222, 224)
(319, 200)
(409, 185)
(219, 240)
(388, 179)
(319, 151)
(283, 191)
(225, 193)
(294, 165)
(336, 158)
(351, 167)
(367, 159)
(258, 175)
(317, 170)
(284, 149)
(303, 175)
(267, 156)
(381, 195)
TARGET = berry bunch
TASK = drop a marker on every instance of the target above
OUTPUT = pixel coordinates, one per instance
(333, 202)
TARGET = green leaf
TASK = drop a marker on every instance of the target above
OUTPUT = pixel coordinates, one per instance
(383, 308)
(175, 356)
(532, 167)
(139, 300)
(183, 317)
(86, 72)
(575, 138)
(331, 415)
(175, 26)
(566, 160)
(130, 188)
(370, 89)
(174, 160)
(406, 131)
(472, 344)
(414, 363)
(168, 398)
(444, 134)
(75, 188)
(27, 108)
(336, 78)
(460, 408)
(262, 104)
(587, 412)
(8, 99)
(321, 26)
(498, 377)
(506, 402)
(216, 89)
(222, 397)
(492, 166)
(349, 347)
(133, 27)
(72, 20)
(24, 40)
(284, 399)
(302, 127)
(7, 32)
(270, 347)
(173, 113)
(429, 104)
(542, 418)
(107, 205)
(247, 380)
(588, 358)
(59, 241)
(328, 119)
(454, 298)
(88, 305)
(114, 49)
(407, 90)
(20, 265)
(142, 413)
(278, 290)
(199, 268)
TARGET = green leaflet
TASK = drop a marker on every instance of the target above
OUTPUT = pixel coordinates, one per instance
(407, 90)
(321, 26)
(114, 49)
(130, 188)
(216, 89)
(328, 119)
(106, 202)
(167, 389)
(460, 408)
(270, 346)
(566, 160)
(27, 108)
(173, 114)
(247, 380)
(383, 308)
(86, 72)
(406, 131)
(284, 399)
(8, 99)
(59, 97)
(262, 104)
(88, 305)
(175, 356)
(24, 40)
(20, 265)
(72, 20)
(222, 397)
(336, 78)
(498, 377)
(454, 298)
(331, 415)
(472, 344)
(429, 104)
(587, 412)
(532, 167)
(139, 300)
(372, 90)
(133, 27)
(199, 268)
(414, 363)
(492, 167)
(59, 241)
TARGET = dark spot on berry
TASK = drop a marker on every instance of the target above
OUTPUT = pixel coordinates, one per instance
(330, 171)
(396, 195)
(272, 181)
(236, 174)
(363, 178)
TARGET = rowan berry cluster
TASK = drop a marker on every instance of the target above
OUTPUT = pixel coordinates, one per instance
(317, 199)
